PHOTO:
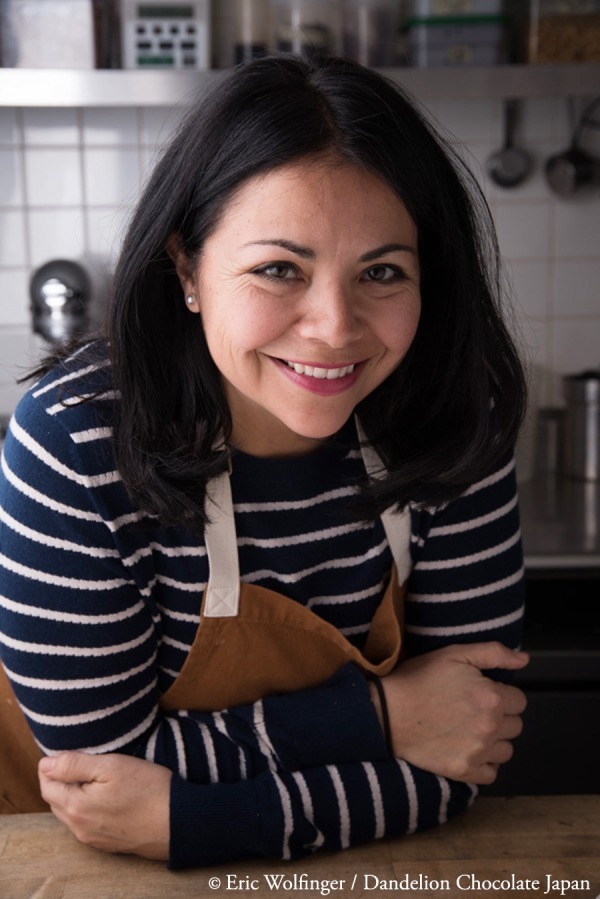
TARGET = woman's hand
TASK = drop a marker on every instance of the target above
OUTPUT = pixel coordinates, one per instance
(450, 719)
(111, 802)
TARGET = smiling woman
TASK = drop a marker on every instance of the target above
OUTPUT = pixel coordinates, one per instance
(260, 557)
(308, 299)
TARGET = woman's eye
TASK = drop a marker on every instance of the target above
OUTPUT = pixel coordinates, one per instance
(277, 271)
(383, 274)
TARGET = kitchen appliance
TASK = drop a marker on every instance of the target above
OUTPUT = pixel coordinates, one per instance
(165, 34)
(60, 293)
(37, 34)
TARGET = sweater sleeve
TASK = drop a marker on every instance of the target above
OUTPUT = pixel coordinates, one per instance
(287, 815)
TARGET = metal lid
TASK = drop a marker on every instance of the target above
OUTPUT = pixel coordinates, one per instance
(583, 387)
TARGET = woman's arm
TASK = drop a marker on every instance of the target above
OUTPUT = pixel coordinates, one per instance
(119, 804)
(89, 611)
(449, 709)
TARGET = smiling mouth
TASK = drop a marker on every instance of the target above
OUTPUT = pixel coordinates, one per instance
(329, 374)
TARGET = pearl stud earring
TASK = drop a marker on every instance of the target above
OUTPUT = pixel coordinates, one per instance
(190, 300)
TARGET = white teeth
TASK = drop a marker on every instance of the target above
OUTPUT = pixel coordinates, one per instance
(312, 372)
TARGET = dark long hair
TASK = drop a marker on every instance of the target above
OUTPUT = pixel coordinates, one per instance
(442, 419)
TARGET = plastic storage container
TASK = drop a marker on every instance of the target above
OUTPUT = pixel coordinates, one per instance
(371, 31)
(241, 31)
(563, 31)
(305, 27)
(457, 41)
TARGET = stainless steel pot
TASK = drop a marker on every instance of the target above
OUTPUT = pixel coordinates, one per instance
(60, 294)
(582, 425)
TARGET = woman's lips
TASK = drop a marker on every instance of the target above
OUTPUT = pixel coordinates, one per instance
(325, 380)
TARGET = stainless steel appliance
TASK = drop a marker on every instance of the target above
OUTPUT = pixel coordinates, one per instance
(60, 293)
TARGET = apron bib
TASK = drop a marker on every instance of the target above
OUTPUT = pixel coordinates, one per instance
(251, 642)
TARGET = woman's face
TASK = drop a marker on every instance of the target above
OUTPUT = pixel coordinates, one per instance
(308, 290)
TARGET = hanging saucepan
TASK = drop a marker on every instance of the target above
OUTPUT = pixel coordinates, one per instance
(511, 165)
(60, 293)
(566, 172)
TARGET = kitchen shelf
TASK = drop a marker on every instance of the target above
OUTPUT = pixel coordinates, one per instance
(105, 87)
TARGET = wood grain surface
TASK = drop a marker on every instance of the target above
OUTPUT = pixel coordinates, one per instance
(543, 846)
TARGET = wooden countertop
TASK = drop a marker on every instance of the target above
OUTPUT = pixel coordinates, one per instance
(543, 846)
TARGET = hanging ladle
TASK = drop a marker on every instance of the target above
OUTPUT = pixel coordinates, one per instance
(511, 165)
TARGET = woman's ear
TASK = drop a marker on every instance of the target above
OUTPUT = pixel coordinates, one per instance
(183, 265)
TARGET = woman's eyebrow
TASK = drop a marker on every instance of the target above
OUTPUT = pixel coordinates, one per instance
(303, 252)
(387, 248)
(307, 253)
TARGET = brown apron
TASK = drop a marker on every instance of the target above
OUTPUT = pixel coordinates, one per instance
(19, 757)
(251, 642)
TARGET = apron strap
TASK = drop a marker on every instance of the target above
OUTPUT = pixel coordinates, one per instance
(222, 596)
(397, 525)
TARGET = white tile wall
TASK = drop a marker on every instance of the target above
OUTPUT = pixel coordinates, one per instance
(69, 177)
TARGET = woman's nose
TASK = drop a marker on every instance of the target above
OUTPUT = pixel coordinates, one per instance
(331, 316)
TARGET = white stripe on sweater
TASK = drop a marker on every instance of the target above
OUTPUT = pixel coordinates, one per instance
(411, 792)
(378, 808)
(288, 505)
(68, 401)
(308, 810)
(462, 561)
(342, 802)
(59, 580)
(70, 617)
(288, 816)
(348, 562)
(472, 593)
(91, 434)
(71, 376)
(179, 746)
(96, 552)
(81, 652)
(86, 717)
(502, 621)
(112, 745)
(447, 530)
(98, 480)
(297, 539)
(81, 683)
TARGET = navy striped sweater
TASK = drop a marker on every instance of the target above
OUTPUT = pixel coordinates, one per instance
(98, 614)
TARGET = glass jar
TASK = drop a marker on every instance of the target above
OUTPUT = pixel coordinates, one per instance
(563, 31)
(307, 28)
(371, 31)
(240, 31)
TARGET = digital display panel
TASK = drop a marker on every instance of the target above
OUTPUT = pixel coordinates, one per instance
(174, 11)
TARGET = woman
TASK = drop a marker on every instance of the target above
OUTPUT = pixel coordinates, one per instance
(260, 546)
